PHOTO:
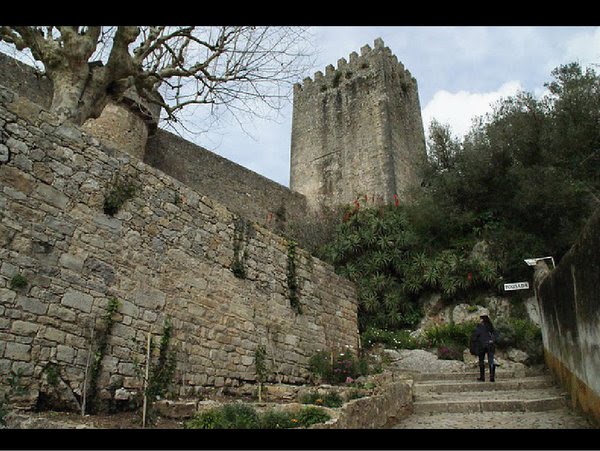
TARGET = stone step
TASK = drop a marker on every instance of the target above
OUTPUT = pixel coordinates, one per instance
(445, 386)
(473, 375)
(516, 404)
(516, 400)
(470, 375)
(463, 393)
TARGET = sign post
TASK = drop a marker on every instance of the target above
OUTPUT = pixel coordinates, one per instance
(516, 286)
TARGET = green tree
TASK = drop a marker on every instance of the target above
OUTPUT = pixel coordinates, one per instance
(527, 175)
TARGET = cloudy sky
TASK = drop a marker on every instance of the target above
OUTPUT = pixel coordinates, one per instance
(460, 71)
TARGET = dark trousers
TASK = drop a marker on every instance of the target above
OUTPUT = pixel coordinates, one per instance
(490, 356)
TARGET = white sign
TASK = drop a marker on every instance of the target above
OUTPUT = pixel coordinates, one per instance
(516, 286)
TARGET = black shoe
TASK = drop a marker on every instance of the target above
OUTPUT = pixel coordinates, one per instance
(482, 379)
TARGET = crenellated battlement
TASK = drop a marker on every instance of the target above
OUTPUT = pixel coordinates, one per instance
(357, 66)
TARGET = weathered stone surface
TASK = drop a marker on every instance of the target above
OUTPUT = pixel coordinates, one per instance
(176, 409)
(356, 131)
(17, 351)
(51, 195)
(167, 254)
(78, 300)
(570, 317)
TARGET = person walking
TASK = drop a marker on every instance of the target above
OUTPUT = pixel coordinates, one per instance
(483, 341)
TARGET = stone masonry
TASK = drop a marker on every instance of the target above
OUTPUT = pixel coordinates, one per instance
(167, 253)
(569, 301)
(357, 130)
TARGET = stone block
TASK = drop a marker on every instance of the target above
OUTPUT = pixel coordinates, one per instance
(51, 195)
(176, 409)
(32, 305)
(19, 327)
(53, 334)
(149, 298)
(17, 351)
(4, 154)
(17, 179)
(65, 353)
(72, 262)
(7, 296)
(78, 300)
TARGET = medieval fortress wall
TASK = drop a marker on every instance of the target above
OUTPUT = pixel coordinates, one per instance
(176, 248)
(357, 130)
(168, 253)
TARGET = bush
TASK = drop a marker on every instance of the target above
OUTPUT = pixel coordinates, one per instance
(521, 334)
(450, 352)
(329, 399)
(344, 365)
(273, 419)
(18, 281)
(319, 365)
(230, 416)
(243, 416)
(120, 193)
(399, 339)
(312, 415)
(452, 333)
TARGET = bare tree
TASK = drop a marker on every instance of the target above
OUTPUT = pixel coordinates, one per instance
(229, 67)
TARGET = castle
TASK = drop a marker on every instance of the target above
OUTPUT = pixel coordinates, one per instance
(171, 250)
(357, 130)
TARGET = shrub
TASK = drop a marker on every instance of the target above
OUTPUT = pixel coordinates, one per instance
(209, 419)
(273, 419)
(319, 365)
(450, 352)
(18, 281)
(312, 415)
(120, 193)
(521, 334)
(243, 416)
(329, 399)
(345, 365)
(399, 339)
(230, 416)
(452, 333)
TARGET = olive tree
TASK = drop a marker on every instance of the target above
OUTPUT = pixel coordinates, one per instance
(175, 67)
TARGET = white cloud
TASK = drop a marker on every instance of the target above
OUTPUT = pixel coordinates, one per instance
(584, 47)
(458, 109)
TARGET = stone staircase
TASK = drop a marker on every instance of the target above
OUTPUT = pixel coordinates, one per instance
(515, 400)
(437, 393)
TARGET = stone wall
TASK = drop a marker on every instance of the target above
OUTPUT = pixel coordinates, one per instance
(241, 190)
(167, 253)
(392, 403)
(357, 130)
(569, 303)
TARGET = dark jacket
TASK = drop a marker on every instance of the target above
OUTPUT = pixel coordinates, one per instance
(483, 339)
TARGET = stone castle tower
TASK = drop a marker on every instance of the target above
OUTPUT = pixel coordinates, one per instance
(357, 130)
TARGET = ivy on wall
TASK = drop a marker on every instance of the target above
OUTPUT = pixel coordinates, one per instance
(241, 235)
(292, 278)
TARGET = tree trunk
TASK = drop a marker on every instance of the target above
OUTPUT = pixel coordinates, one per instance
(78, 94)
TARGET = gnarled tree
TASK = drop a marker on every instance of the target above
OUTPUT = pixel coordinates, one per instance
(218, 66)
